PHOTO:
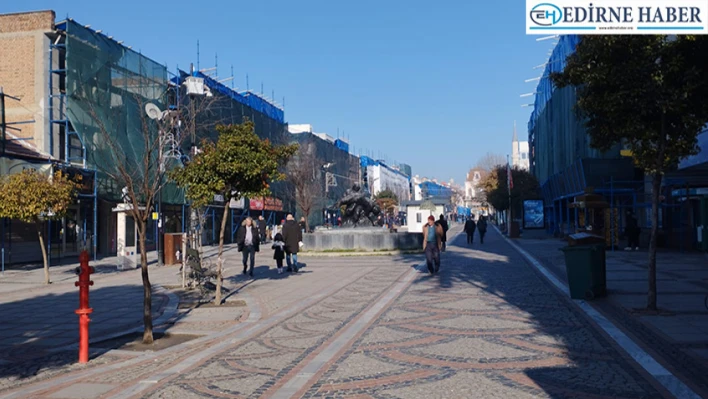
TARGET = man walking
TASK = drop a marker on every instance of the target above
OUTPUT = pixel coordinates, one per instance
(292, 236)
(470, 227)
(482, 228)
(248, 240)
(432, 243)
(443, 223)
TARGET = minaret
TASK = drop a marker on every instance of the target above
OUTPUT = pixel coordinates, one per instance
(515, 148)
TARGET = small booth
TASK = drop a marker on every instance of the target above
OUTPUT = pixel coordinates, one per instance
(592, 216)
(127, 233)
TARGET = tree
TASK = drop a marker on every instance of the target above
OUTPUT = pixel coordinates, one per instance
(304, 183)
(525, 186)
(33, 197)
(387, 201)
(138, 166)
(490, 161)
(240, 164)
(647, 92)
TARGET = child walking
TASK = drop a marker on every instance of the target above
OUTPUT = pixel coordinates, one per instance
(279, 254)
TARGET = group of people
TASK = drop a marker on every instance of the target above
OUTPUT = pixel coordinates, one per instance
(471, 226)
(434, 242)
(435, 238)
(286, 243)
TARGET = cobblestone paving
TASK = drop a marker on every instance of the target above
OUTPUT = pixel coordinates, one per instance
(258, 366)
(486, 327)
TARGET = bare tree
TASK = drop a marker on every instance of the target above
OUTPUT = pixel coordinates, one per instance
(138, 164)
(489, 161)
(305, 182)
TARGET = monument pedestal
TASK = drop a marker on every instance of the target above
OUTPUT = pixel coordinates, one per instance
(361, 239)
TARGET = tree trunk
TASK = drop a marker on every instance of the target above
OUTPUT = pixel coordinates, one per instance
(147, 288)
(220, 262)
(44, 252)
(655, 193)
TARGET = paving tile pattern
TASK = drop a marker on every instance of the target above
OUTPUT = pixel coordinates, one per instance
(486, 327)
(693, 369)
(256, 367)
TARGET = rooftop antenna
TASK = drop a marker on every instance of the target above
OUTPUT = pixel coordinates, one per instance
(232, 77)
(283, 102)
(247, 89)
(261, 89)
(216, 66)
(273, 96)
(198, 68)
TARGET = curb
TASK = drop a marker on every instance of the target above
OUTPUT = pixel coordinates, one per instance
(660, 374)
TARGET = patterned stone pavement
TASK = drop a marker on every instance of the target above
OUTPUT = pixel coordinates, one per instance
(486, 327)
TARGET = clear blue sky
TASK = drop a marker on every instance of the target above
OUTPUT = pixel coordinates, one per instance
(432, 84)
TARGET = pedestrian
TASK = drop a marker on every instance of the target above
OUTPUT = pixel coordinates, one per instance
(292, 237)
(632, 231)
(302, 224)
(248, 240)
(432, 244)
(443, 223)
(279, 254)
(470, 227)
(482, 228)
(262, 228)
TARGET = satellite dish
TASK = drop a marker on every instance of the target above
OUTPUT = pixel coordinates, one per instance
(153, 111)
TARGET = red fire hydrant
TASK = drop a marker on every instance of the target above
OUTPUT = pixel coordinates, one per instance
(84, 271)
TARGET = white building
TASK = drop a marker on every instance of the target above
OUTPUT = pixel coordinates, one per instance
(380, 177)
(519, 152)
(416, 218)
(474, 194)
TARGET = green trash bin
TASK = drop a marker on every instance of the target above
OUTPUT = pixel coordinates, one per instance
(586, 270)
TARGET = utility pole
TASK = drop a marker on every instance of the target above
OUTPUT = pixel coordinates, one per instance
(2, 120)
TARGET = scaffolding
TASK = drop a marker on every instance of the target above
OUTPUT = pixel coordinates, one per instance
(72, 140)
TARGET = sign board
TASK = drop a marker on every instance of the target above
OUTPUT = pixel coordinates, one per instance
(255, 204)
(533, 214)
(265, 204)
(240, 204)
(155, 216)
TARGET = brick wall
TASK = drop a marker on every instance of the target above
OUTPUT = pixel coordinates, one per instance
(27, 21)
(24, 71)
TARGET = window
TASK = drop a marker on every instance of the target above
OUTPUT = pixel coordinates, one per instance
(524, 155)
(418, 217)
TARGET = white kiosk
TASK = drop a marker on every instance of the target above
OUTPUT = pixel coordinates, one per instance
(127, 233)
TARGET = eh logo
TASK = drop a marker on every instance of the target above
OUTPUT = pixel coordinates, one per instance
(546, 14)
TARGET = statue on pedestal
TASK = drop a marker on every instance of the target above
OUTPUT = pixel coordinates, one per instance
(359, 208)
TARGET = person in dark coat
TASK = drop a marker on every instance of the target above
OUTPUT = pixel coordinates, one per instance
(279, 253)
(443, 223)
(482, 228)
(302, 224)
(292, 236)
(632, 231)
(262, 228)
(470, 227)
(248, 241)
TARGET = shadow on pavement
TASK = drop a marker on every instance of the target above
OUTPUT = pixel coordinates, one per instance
(594, 367)
(35, 330)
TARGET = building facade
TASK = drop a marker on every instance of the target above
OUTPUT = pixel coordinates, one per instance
(337, 170)
(378, 176)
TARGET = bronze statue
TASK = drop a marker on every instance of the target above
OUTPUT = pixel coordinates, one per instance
(359, 208)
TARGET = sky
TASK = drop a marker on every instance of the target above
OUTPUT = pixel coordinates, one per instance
(435, 85)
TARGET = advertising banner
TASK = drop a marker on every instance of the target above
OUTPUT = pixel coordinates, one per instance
(533, 214)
